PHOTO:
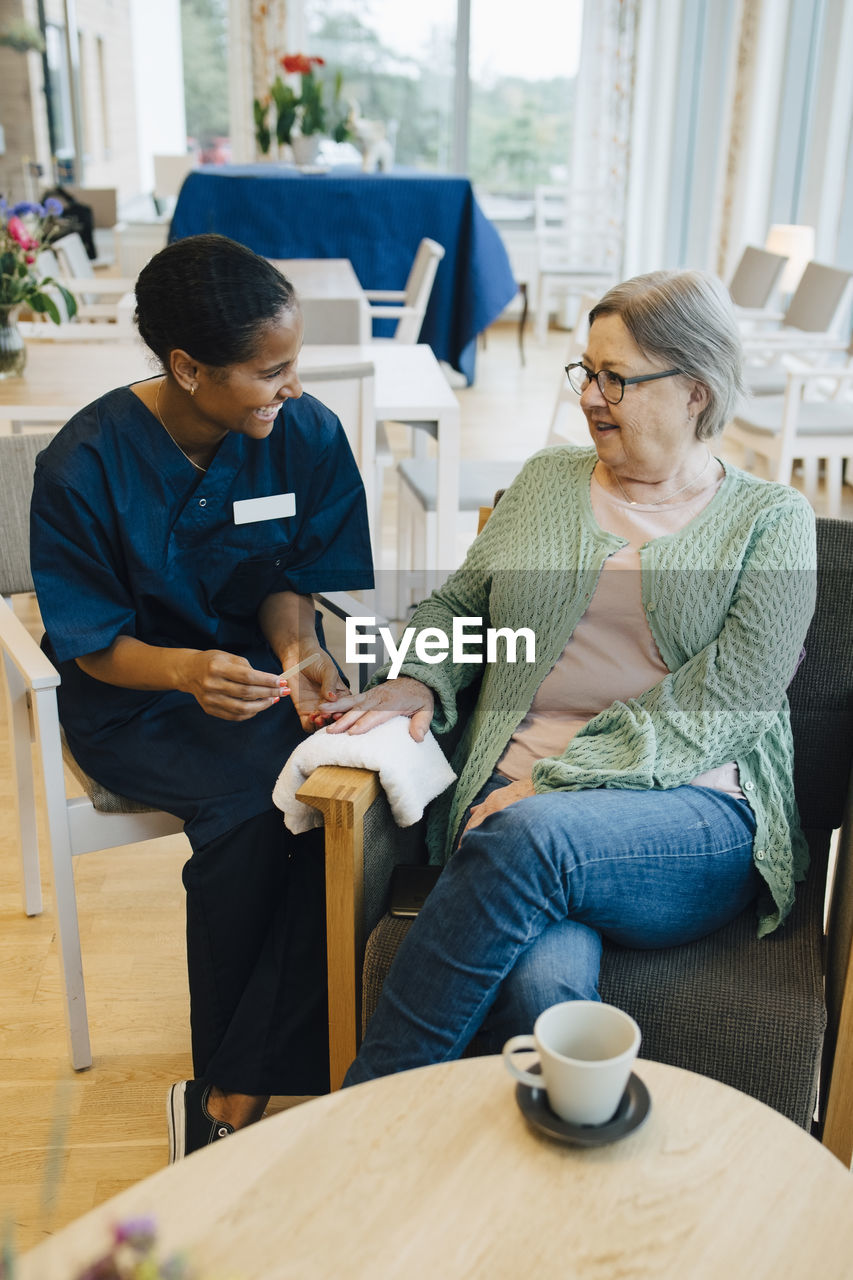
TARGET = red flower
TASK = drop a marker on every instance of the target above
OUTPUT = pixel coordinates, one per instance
(18, 232)
(300, 63)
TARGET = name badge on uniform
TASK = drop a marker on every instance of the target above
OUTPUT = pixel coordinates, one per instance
(276, 506)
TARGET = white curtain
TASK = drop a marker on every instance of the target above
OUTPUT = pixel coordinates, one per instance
(603, 103)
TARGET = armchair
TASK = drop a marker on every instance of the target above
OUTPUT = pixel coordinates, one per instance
(768, 1017)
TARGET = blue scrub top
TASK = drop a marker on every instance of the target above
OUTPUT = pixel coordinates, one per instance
(128, 538)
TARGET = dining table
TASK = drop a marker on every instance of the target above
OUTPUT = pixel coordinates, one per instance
(448, 1171)
(376, 221)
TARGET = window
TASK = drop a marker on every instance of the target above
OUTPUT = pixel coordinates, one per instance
(58, 92)
(204, 39)
(399, 63)
(522, 79)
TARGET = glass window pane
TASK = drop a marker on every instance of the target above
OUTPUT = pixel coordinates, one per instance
(522, 69)
(59, 93)
(204, 40)
(397, 63)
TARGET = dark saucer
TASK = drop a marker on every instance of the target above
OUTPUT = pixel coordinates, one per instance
(630, 1114)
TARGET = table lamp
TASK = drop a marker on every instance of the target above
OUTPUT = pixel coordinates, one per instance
(797, 244)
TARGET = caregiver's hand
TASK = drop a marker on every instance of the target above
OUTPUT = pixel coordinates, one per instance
(225, 685)
(318, 682)
(360, 712)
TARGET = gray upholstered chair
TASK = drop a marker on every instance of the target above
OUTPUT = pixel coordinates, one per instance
(767, 1017)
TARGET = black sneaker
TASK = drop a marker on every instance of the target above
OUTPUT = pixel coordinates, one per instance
(191, 1126)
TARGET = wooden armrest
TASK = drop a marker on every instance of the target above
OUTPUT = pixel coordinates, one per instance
(343, 795)
(385, 295)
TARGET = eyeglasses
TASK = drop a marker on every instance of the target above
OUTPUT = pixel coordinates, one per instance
(611, 385)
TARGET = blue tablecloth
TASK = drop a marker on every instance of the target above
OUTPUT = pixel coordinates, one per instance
(375, 220)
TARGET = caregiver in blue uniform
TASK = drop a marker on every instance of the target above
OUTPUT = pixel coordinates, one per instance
(178, 528)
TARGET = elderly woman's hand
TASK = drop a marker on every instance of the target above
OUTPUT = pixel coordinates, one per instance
(360, 712)
(499, 799)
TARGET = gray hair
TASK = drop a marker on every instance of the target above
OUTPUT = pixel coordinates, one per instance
(685, 319)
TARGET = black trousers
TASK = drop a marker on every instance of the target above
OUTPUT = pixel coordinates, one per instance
(256, 953)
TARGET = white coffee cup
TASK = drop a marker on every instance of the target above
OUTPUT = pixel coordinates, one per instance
(586, 1050)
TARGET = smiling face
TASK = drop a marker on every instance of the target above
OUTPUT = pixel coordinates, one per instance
(651, 434)
(246, 397)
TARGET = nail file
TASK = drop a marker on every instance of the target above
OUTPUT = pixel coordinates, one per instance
(291, 671)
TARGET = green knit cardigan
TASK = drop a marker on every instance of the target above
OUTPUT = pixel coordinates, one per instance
(728, 600)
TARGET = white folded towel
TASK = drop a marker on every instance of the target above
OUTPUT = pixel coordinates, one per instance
(411, 773)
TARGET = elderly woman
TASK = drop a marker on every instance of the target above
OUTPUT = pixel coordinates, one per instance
(633, 782)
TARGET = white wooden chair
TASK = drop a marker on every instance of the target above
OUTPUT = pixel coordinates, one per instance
(408, 306)
(808, 331)
(74, 270)
(754, 281)
(577, 251)
(797, 425)
(76, 824)
(169, 174)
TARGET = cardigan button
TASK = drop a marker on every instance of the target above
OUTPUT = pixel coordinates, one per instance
(760, 855)
(749, 786)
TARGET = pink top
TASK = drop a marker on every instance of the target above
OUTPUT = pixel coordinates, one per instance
(611, 655)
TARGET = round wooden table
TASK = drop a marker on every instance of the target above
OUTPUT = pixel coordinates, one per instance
(436, 1173)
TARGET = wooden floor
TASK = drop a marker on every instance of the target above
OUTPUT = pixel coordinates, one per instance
(70, 1140)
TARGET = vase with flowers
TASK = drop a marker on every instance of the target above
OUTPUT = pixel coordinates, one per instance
(25, 230)
(300, 119)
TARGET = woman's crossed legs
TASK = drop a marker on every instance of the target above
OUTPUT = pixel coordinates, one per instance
(515, 922)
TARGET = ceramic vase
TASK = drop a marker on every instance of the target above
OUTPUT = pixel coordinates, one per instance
(13, 351)
(305, 150)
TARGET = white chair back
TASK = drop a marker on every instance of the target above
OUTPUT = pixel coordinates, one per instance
(755, 277)
(418, 289)
(169, 173)
(408, 306)
(818, 298)
(73, 258)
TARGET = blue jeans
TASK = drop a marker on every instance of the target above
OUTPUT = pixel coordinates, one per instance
(515, 921)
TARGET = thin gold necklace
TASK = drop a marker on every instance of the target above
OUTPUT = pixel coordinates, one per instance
(197, 465)
(659, 501)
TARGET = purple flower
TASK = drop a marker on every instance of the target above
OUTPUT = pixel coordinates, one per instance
(139, 1232)
(27, 207)
(53, 206)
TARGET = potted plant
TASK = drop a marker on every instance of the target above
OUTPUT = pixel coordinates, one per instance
(300, 119)
(25, 230)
